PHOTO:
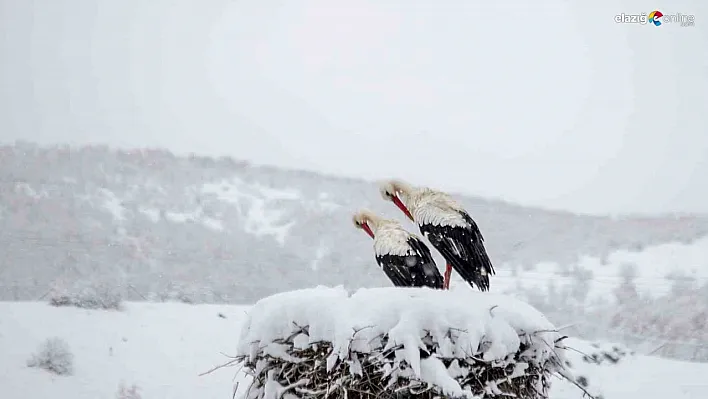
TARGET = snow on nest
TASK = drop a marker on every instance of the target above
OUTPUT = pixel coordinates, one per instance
(485, 325)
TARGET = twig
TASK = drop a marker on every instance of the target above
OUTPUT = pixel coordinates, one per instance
(229, 356)
(221, 366)
(567, 326)
(560, 339)
(577, 351)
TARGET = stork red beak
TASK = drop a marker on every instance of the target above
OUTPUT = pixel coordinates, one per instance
(402, 207)
(367, 229)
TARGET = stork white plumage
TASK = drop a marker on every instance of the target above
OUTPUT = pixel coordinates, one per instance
(447, 226)
(403, 256)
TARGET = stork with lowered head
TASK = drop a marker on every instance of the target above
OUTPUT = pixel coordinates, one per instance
(448, 227)
(403, 256)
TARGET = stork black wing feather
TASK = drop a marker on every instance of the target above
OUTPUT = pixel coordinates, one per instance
(429, 272)
(463, 248)
(417, 269)
(421, 249)
(398, 276)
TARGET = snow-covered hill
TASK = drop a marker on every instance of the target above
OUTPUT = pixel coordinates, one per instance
(592, 283)
(201, 229)
(162, 349)
(655, 300)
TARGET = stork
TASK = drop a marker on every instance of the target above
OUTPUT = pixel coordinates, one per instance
(404, 258)
(447, 226)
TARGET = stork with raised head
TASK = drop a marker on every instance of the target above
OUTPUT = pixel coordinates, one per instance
(447, 226)
(404, 257)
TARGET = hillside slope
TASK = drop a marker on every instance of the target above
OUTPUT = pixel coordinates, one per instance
(208, 229)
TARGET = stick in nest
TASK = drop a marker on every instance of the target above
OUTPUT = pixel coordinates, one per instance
(233, 362)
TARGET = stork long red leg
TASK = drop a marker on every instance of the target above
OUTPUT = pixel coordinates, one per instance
(448, 274)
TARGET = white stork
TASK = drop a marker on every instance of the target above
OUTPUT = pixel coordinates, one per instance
(404, 258)
(447, 226)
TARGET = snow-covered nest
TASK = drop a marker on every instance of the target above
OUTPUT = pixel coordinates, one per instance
(397, 342)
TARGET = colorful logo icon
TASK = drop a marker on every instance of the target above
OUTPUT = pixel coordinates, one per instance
(654, 17)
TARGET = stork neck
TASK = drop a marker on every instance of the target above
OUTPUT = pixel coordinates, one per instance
(407, 199)
(382, 225)
(374, 225)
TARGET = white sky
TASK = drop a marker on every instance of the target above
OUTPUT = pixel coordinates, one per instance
(544, 103)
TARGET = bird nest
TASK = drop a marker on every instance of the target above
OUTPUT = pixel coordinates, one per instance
(397, 343)
(288, 370)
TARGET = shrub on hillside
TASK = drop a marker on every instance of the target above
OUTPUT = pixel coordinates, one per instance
(674, 325)
(605, 353)
(131, 392)
(53, 356)
(88, 296)
(187, 293)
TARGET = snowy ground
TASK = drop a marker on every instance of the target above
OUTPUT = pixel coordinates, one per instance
(159, 347)
(638, 377)
(164, 347)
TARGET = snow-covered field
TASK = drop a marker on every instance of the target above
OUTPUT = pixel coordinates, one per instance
(162, 348)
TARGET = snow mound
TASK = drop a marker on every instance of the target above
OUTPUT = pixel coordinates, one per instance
(325, 342)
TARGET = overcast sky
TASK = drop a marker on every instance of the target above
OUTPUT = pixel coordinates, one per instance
(542, 103)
